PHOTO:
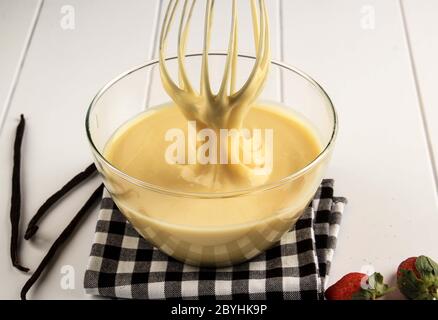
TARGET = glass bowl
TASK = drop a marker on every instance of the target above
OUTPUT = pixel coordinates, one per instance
(283, 201)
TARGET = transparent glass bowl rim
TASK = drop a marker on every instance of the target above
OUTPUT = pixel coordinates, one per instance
(228, 194)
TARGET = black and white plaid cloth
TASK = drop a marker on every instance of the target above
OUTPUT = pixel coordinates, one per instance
(124, 265)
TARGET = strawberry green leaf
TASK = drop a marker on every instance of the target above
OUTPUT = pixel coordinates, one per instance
(376, 288)
(426, 267)
(409, 284)
(363, 294)
(418, 289)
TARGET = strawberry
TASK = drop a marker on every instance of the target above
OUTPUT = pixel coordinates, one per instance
(358, 286)
(408, 264)
(417, 278)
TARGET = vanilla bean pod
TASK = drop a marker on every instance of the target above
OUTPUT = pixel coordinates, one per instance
(75, 181)
(16, 195)
(97, 194)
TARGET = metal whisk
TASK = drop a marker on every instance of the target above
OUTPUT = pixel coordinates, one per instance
(226, 108)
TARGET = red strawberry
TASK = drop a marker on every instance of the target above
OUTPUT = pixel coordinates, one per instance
(417, 278)
(408, 264)
(358, 286)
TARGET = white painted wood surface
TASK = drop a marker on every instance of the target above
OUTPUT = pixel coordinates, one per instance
(422, 30)
(16, 25)
(63, 70)
(381, 162)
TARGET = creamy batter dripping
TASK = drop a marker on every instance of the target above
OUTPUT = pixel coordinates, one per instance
(228, 107)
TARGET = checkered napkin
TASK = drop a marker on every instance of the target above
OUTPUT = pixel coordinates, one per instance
(124, 265)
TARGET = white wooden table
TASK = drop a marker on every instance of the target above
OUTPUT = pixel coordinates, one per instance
(375, 58)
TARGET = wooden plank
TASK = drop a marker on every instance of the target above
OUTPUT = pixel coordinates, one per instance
(63, 71)
(381, 161)
(16, 22)
(422, 33)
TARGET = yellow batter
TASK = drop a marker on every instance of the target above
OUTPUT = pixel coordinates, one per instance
(216, 230)
(138, 149)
